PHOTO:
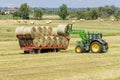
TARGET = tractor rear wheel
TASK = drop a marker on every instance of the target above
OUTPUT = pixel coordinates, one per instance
(96, 47)
(79, 49)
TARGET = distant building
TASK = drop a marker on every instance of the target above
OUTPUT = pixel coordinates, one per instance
(10, 10)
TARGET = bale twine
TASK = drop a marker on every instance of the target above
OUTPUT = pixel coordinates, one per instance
(54, 32)
(62, 30)
(48, 31)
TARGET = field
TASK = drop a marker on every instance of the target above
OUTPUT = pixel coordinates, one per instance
(64, 65)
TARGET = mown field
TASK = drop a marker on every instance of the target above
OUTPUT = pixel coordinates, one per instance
(64, 65)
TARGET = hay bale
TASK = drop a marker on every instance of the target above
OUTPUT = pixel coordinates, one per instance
(50, 21)
(25, 21)
(64, 41)
(18, 21)
(39, 31)
(44, 30)
(48, 31)
(47, 22)
(32, 22)
(19, 30)
(58, 41)
(73, 21)
(53, 41)
(39, 42)
(47, 41)
(30, 31)
(36, 42)
(63, 30)
(54, 32)
(82, 19)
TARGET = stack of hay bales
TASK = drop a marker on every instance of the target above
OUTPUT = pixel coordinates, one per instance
(43, 36)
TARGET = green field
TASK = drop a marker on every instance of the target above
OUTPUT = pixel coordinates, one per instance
(64, 65)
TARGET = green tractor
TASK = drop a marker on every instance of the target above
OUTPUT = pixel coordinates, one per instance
(91, 42)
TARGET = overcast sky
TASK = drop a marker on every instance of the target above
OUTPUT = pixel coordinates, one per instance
(57, 3)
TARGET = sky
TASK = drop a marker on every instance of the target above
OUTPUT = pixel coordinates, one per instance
(57, 3)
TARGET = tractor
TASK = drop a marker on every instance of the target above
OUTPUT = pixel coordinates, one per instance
(90, 42)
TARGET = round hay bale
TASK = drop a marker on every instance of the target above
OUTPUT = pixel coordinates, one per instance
(64, 41)
(19, 30)
(73, 21)
(47, 22)
(30, 31)
(54, 32)
(58, 41)
(18, 21)
(32, 22)
(25, 21)
(36, 42)
(53, 41)
(39, 31)
(62, 30)
(44, 30)
(48, 31)
(42, 41)
(47, 41)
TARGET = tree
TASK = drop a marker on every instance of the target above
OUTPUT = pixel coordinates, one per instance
(38, 14)
(16, 14)
(117, 15)
(80, 15)
(94, 13)
(63, 12)
(24, 11)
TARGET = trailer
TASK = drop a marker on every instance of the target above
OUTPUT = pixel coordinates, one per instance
(26, 44)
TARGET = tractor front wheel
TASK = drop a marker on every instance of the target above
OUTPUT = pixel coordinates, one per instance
(96, 47)
(79, 49)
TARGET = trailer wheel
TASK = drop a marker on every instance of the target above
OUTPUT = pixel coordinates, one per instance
(79, 49)
(56, 50)
(96, 47)
(26, 51)
(36, 51)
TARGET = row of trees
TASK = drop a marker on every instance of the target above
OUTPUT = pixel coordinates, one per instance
(24, 12)
(101, 12)
(89, 14)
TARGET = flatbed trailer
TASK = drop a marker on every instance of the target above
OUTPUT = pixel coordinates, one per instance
(26, 44)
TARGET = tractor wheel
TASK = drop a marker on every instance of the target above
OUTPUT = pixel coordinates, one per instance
(79, 49)
(106, 45)
(96, 47)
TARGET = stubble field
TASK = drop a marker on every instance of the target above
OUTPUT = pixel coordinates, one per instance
(64, 65)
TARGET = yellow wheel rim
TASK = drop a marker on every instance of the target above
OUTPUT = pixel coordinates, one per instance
(95, 47)
(78, 49)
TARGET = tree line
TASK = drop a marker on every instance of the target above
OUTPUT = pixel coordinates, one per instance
(89, 14)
